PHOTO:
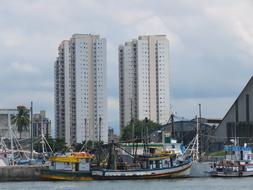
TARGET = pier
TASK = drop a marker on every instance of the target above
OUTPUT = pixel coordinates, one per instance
(20, 173)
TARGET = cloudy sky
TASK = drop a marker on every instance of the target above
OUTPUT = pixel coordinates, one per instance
(211, 47)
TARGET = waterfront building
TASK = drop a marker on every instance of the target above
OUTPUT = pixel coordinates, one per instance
(41, 124)
(237, 125)
(184, 131)
(144, 79)
(80, 89)
(112, 137)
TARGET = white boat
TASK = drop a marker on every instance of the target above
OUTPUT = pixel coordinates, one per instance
(238, 162)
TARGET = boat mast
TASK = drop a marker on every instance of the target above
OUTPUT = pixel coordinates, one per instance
(235, 134)
(132, 123)
(198, 136)
(172, 126)
(99, 141)
(11, 139)
(31, 130)
(42, 135)
(197, 140)
(200, 132)
(99, 129)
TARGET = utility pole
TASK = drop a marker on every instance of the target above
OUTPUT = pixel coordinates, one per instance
(31, 130)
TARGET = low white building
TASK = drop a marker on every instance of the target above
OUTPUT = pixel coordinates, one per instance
(6, 122)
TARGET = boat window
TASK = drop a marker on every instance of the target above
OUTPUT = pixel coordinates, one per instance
(77, 167)
(157, 163)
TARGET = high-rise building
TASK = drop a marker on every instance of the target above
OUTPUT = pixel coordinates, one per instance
(144, 79)
(80, 89)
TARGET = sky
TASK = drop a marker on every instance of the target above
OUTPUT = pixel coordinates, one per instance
(211, 48)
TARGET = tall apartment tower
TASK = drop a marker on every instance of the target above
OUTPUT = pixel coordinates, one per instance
(144, 79)
(80, 89)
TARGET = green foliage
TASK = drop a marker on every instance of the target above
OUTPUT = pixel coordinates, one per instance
(21, 120)
(86, 145)
(57, 145)
(219, 153)
(78, 146)
(142, 129)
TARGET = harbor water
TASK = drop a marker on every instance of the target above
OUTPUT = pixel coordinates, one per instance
(175, 184)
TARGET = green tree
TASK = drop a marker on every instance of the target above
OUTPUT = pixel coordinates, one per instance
(21, 120)
(58, 145)
(87, 145)
(78, 146)
(140, 129)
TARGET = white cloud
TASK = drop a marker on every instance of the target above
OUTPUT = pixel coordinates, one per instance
(113, 103)
(211, 107)
(12, 39)
(25, 68)
(211, 46)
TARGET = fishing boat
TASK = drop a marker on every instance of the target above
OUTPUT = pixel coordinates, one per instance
(163, 171)
(70, 167)
(238, 162)
(150, 166)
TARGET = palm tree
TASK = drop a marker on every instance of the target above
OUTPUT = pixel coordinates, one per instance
(21, 120)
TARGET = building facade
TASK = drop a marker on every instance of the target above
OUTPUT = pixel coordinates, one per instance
(80, 89)
(237, 125)
(6, 122)
(41, 125)
(112, 137)
(144, 79)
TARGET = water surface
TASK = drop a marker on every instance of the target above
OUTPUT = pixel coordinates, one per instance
(171, 184)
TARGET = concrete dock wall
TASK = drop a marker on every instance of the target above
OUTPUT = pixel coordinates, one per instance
(20, 173)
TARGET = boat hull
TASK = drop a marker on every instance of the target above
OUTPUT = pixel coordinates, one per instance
(231, 174)
(47, 174)
(174, 172)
